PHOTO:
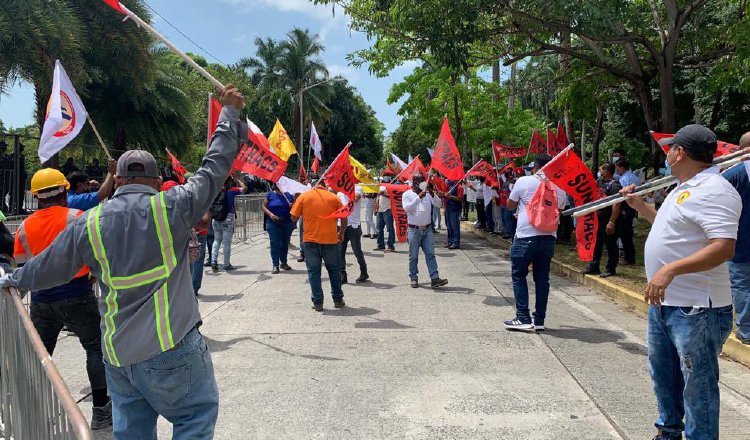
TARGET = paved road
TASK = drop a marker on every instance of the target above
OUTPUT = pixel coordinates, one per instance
(422, 364)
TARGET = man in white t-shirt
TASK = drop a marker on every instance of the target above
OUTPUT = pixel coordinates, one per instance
(530, 246)
(353, 234)
(385, 217)
(692, 237)
(418, 203)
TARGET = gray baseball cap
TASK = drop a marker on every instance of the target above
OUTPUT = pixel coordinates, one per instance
(696, 138)
(140, 157)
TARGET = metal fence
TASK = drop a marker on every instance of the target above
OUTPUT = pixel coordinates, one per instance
(35, 403)
(249, 221)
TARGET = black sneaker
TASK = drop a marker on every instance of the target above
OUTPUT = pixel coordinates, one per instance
(667, 437)
(286, 266)
(379, 249)
(317, 307)
(229, 268)
(339, 304)
(362, 278)
(301, 260)
(516, 324)
(607, 274)
(275, 270)
(438, 282)
(590, 271)
(414, 284)
(215, 267)
(207, 264)
(101, 416)
(344, 278)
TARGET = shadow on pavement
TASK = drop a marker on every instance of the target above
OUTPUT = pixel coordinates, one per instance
(219, 298)
(351, 311)
(496, 301)
(449, 289)
(382, 324)
(379, 286)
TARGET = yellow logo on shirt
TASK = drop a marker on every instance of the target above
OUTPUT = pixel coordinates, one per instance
(682, 197)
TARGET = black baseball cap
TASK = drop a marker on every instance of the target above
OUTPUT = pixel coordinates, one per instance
(695, 138)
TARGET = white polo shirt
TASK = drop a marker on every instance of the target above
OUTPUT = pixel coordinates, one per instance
(703, 208)
(523, 191)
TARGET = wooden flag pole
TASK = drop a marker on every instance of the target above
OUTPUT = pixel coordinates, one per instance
(101, 142)
(172, 47)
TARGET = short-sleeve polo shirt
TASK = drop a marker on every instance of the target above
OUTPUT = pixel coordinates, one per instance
(705, 207)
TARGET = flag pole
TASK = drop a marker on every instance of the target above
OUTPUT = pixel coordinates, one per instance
(172, 47)
(98, 136)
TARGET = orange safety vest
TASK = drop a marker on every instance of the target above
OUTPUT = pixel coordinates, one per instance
(40, 229)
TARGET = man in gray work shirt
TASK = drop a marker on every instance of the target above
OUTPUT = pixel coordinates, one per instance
(156, 360)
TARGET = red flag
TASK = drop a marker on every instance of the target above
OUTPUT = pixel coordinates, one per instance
(302, 173)
(509, 166)
(439, 183)
(179, 170)
(551, 141)
(395, 193)
(114, 4)
(408, 172)
(500, 151)
(562, 138)
(256, 136)
(340, 177)
(484, 169)
(261, 162)
(446, 158)
(214, 111)
(570, 174)
(722, 148)
(537, 144)
(315, 166)
(389, 169)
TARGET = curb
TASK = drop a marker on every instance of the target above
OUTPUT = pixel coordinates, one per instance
(733, 348)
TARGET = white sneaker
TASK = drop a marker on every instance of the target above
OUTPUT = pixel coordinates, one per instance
(539, 328)
(516, 324)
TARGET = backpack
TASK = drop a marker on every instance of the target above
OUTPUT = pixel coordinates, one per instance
(219, 209)
(542, 211)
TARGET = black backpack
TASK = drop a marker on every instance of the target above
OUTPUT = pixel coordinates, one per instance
(219, 209)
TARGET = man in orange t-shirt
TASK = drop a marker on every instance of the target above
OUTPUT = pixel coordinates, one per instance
(321, 241)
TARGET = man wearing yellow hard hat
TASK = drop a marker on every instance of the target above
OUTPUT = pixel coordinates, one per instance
(71, 304)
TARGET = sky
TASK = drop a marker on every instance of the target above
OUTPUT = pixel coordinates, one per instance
(227, 29)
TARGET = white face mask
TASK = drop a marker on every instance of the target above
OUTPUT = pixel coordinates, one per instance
(615, 159)
(423, 186)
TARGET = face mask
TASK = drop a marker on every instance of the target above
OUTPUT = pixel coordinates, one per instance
(423, 186)
(668, 169)
(387, 179)
(598, 174)
(615, 159)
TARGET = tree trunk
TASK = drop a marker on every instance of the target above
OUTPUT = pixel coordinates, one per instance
(583, 140)
(457, 114)
(598, 135)
(496, 78)
(666, 87)
(513, 88)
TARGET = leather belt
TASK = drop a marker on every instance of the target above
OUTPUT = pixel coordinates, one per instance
(420, 228)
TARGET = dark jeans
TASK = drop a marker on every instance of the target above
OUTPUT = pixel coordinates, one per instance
(625, 233)
(602, 239)
(197, 265)
(279, 234)
(565, 230)
(385, 218)
(684, 344)
(355, 236)
(81, 316)
(464, 208)
(509, 222)
(453, 223)
(481, 214)
(488, 219)
(537, 250)
(301, 243)
(315, 256)
(210, 240)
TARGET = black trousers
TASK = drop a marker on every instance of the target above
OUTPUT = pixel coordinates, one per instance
(81, 316)
(625, 233)
(353, 235)
(481, 214)
(602, 239)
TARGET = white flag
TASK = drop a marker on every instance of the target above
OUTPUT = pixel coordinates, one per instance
(65, 117)
(291, 186)
(315, 143)
(431, 152)
(411, 159)
(399, 163)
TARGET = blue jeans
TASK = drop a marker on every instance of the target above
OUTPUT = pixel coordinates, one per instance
(537, 250)
(223, 232)
(178, 384)
(280, 234)
(453, 223)
(315, 256)
(197, 267)
(386, 219)
(424, 239)
(683, 355)
(509, 222)
(739, 275)
(436, 219)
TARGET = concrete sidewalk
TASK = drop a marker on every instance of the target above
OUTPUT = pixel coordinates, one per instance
(420, 363)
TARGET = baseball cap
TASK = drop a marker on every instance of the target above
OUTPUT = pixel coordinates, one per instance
(695, 138)
(140, 157)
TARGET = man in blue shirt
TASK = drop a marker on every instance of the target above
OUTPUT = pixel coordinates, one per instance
(624, 225)
(739, 266)
(80, 195)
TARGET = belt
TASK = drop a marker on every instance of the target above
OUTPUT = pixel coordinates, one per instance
(420, 228)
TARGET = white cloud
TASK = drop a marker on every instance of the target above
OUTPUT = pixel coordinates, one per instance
(350, 73)
(319, 12)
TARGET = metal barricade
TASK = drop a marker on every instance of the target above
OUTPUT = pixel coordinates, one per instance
(35, 403)
(249, 221)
